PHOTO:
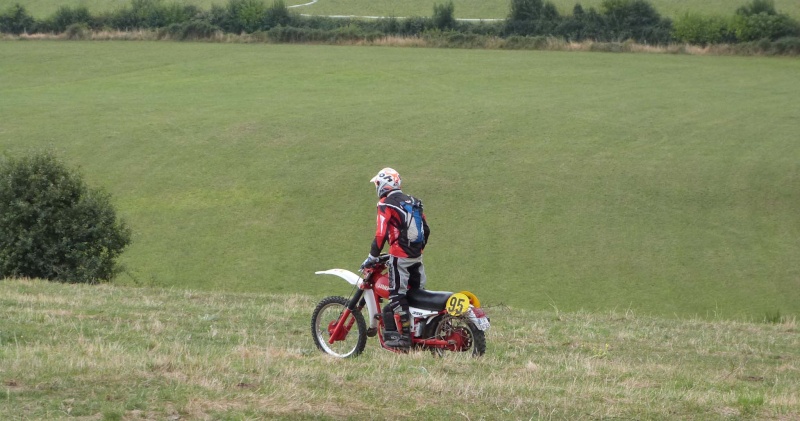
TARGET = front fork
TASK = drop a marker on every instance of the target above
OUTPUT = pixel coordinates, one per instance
(341, 327)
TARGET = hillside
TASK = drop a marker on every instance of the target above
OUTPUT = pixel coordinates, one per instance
(106, 352)
(657, 183)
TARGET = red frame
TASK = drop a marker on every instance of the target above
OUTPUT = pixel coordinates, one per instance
(339, 330)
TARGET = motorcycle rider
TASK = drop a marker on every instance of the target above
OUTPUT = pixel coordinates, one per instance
(396, 222)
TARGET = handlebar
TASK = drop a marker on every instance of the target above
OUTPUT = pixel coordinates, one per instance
(382, 259)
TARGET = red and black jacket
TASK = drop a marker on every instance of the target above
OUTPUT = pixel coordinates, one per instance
(391, 226)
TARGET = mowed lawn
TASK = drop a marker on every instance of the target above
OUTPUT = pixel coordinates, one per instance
(663, 184)
(485, 9)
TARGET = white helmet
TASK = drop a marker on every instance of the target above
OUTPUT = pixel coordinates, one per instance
(386, 181)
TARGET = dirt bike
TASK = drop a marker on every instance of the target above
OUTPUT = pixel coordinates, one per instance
(440, 321)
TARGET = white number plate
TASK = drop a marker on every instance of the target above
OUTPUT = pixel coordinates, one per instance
(482, 323)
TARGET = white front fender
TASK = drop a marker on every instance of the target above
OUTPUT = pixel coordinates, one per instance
(345, 274)
(354, 279)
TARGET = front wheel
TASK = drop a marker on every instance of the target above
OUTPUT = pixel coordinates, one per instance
(350, 342)
(462, 335)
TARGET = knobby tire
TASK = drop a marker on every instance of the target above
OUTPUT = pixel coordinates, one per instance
(328, 310)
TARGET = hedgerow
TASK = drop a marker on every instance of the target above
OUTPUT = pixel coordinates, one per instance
(615, 21)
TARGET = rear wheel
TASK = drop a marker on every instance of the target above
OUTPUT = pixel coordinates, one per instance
(324, 320)
(462, 335)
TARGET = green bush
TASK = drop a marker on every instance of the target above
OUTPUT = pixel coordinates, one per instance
(246, 16)
(352, 32)
(52, 226)
(696, 29)
(582, 25)
(192, 30)
(757, 7)
(414, 25)
(444, 16)
(634, 19)
(787, 46)
(277, 15)
(16, 20)
(784, 46)
(77, 31)
(66, 16)
(531, 10)
(765, 26)
(152, 14)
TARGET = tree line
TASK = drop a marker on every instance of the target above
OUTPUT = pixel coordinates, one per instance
(613, 21)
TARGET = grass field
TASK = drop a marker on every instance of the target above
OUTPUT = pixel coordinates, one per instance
(486, 9)
(112, 353)
(662, 184)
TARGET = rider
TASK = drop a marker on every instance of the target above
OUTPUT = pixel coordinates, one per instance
(405, 264)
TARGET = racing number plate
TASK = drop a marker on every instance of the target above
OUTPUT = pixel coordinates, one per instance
(457, 304)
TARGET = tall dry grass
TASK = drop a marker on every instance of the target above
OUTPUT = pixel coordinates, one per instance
(549, 43)
(136, 353)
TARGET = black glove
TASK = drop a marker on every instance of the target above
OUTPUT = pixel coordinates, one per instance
(371, 260)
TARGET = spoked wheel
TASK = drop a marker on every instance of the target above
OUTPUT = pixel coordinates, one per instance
(351, 340)
(462, 335)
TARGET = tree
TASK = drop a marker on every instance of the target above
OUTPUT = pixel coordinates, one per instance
(444, 16)
(16, 20)
(52, 226)
(528, 10)
(756, 7)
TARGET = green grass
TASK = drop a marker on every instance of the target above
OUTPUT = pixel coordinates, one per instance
(657, 183)
(486, 9)
(109, 352)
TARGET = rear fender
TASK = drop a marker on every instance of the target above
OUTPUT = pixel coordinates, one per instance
(472, 299)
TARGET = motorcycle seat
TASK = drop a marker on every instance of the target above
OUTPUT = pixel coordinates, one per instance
(427, 300)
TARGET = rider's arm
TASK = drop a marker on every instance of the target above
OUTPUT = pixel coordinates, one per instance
(381, 230)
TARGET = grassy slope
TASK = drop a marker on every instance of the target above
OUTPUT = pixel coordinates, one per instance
(463, 8)
(122, 353)
(664, 184)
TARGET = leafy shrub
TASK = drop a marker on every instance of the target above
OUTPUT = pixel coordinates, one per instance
(16, 20)
(77, 31)
(245, 16)
(277, 15)
(697, 29)
(444, 16)
(217, 16)
(757, 7)
(787, 46)
(531, 17)
(634, 19)
(489, 28)
(152, 14)
(387, 26)
(582, 25)
(52, 226)
(765, 26)
(531, 10)
(287, 34)
(66, 16)
(783, 46)
(415, 25)
(192, 30)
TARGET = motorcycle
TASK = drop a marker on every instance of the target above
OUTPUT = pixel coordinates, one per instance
(440, 321)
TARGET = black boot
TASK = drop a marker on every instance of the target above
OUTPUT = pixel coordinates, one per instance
(399, 339)
(389, 326)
